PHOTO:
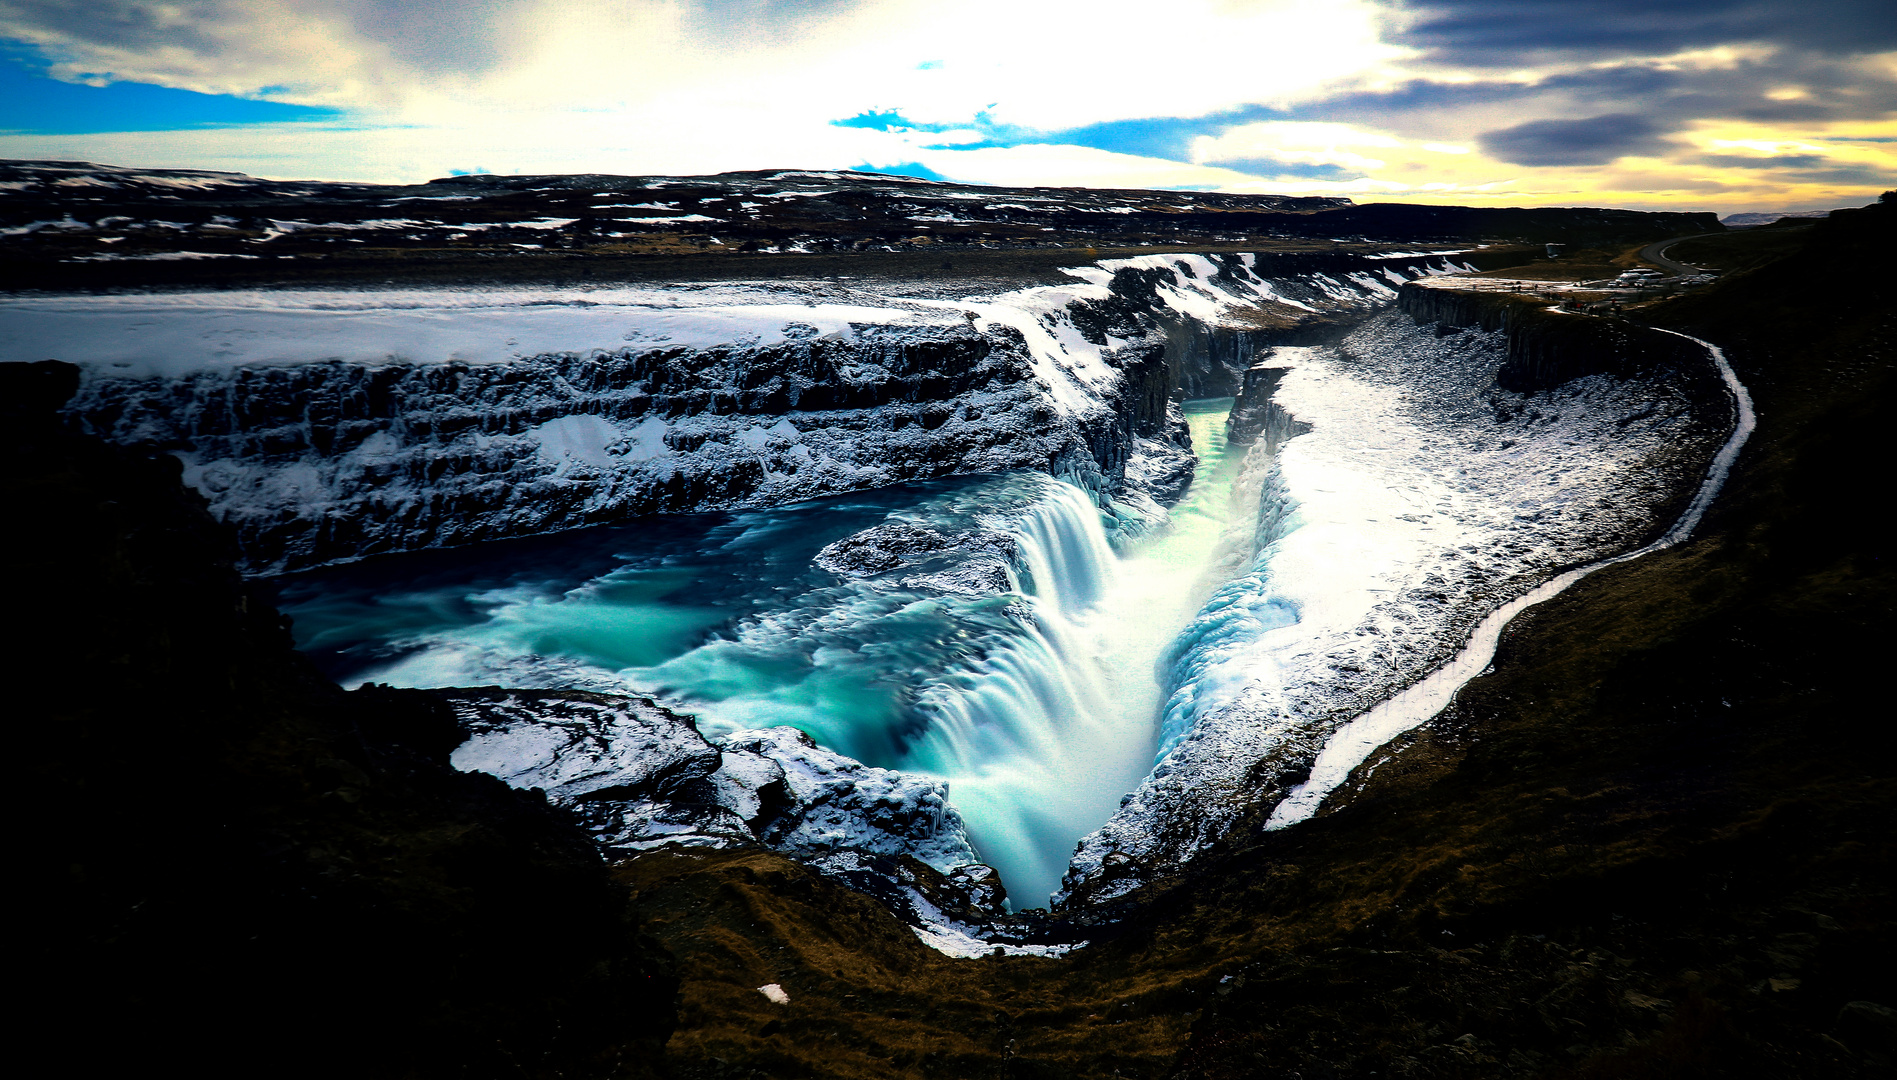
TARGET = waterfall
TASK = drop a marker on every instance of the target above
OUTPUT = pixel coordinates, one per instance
(1044, 733)
(1030, 733)
(1034, 696)
(1069, 562)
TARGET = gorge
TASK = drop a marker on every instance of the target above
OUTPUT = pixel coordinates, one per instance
(991, 551)
(981, 632)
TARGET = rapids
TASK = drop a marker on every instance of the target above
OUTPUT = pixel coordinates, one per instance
(1037, 702)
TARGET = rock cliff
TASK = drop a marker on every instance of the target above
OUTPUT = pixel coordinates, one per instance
(601, 406)
(1547, 346)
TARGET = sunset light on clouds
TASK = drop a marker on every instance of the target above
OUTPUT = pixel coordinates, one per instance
(1690, 104)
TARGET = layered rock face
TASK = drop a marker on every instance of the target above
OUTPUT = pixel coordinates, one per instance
(1254, 415)
(1548, 347)
(331, 426)
(318, 462)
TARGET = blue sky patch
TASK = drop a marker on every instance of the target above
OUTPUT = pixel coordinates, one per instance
(1168, 138)
(31, 103)
(888, 120)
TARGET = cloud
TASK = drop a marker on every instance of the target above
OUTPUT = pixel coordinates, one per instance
(1765, 86)
(1044, 65)
(1274, 169)
(1363, 97)
(1515, 33)
(1289, 150)
(1596, 140)
(1781, 161)
(1873, 176)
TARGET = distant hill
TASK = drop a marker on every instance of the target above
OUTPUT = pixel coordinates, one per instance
(1751, 221)
(75, 224)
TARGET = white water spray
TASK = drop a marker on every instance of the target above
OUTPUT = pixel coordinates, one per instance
(1029, 736)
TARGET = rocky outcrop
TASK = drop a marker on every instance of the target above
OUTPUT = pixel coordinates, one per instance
(1254, 414)
(1547, 347)
(1305, 298)
(979, 562)
(641, 777)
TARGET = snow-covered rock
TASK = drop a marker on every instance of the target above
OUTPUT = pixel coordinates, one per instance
(642, 776)
(639, 777)
(327, 426)
(579, 746)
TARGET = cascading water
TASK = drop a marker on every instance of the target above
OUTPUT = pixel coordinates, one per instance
(1035, 698)
(1041, 738)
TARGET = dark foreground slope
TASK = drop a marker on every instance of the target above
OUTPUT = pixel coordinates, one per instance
(229, 865)
(1654, 842)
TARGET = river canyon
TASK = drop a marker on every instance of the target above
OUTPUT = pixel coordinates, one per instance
(1007, 605)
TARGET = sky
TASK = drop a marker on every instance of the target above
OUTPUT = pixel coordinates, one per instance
(1723, 105)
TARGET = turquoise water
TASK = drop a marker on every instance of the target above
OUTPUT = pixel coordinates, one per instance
(1038, 706)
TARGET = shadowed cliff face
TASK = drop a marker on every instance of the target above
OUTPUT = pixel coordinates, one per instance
(233, 863)
(1547, 347)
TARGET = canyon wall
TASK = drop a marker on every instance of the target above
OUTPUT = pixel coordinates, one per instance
(315, 459)
(1547, 346)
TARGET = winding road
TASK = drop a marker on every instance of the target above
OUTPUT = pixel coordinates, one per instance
(1655, 253)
